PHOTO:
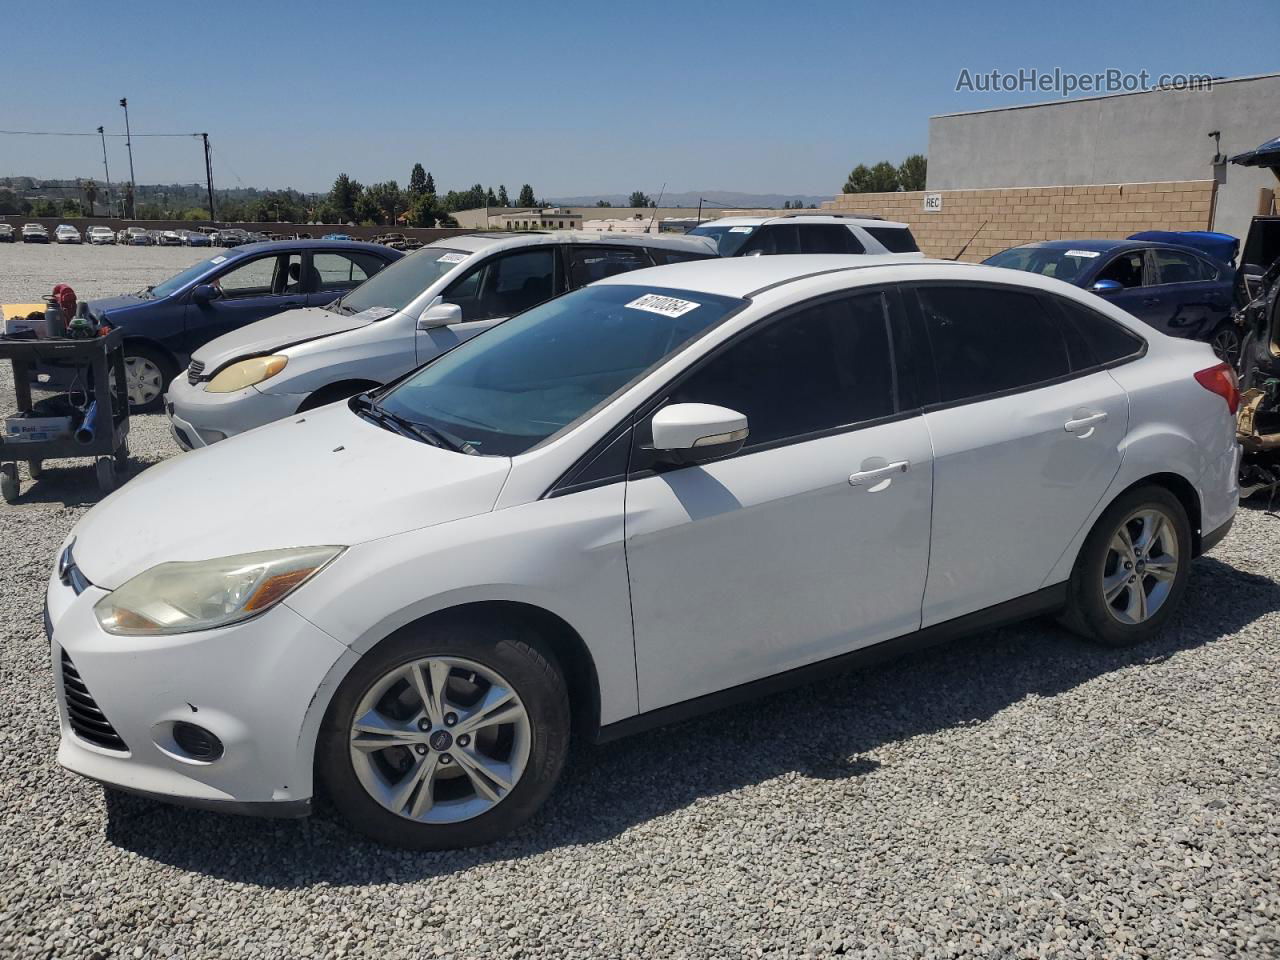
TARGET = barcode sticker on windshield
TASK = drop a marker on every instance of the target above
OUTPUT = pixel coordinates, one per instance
(741, 229)
(1088, 254)
(217, 259)
(451, 258)
(373, 313)
(667, 306)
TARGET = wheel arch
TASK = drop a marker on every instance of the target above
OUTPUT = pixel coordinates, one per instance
(1187, 495)
(138, 340)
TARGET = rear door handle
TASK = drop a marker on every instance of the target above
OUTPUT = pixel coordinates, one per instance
(1084, 425)
(870, 477)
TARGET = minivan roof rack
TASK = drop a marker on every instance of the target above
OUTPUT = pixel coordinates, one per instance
(828, 213)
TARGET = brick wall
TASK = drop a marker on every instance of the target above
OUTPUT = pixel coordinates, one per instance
(1010, 216)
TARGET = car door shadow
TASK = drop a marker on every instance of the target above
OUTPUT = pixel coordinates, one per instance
(608, 789)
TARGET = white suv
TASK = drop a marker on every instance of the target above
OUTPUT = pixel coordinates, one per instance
(417, 308)
(663, 493)
(807, 233)
(100, 235)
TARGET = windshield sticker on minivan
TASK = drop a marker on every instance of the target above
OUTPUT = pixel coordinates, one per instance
(741, 229)
(451, 258)
(667, 306)
(1089, 254)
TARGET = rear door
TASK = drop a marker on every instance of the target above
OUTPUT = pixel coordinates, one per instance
(1189, 299)
(1026, 430)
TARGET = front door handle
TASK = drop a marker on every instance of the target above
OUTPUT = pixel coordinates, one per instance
(871, 477)
(1084, 425)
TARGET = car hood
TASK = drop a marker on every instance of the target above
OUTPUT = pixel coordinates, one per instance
(328, 477)
(111, 306)
(275, 333)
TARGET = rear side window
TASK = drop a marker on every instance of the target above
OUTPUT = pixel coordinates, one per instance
(822, 367)
(987, 340)
(1174, 266)
(589, 264)
(894, 239)
(828, 238)
(662, 257)
(773, 239)
(1107, 340)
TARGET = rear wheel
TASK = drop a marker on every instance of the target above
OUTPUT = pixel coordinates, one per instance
(446, 737)
(1226, 342)
(1132, 570)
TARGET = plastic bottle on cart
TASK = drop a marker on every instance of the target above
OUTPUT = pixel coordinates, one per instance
(55, 322)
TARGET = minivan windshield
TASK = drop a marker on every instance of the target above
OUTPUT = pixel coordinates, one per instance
(530, 377)
(399, 284)
(729, 238)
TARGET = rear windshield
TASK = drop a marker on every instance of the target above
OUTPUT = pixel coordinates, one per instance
(894, 239)
(399, 284)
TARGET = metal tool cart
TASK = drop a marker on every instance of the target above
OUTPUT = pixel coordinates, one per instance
(100, 430)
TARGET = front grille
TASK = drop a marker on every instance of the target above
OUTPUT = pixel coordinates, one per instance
(194, 372)
(89, 723)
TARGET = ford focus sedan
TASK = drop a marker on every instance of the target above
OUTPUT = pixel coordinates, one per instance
(662, 493)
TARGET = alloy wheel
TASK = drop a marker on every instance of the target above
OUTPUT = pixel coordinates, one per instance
(143, 380)
(1141, 566)
(440, 740)
(1226, 344)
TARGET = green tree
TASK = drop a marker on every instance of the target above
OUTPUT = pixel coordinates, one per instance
(638, 198)
(11, 203)
(430, 186)
(603, 203)
(491, 198)
(911, 172)
(367, 210)
(882, 178)
(422, 210)
(417, 181)
(44, 208)
(90, 190)
(128, 202)
(344, 196)
(388, 199)
(503, 199)
(526, 198)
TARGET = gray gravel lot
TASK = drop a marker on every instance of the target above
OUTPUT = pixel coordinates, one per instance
(1016, 794)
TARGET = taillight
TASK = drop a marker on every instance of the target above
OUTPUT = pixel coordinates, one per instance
(1222, 381)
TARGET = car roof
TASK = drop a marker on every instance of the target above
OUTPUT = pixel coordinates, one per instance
(846, 218)
(1101, 246)
(490, 241)
(283, 246)
(743, 276)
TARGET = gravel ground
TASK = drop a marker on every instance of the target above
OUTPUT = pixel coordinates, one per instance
(1016, 794)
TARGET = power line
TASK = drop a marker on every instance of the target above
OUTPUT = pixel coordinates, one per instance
(60, 133)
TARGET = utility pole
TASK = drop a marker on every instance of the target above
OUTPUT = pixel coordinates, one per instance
(208, 172)
(128, 142)
(105, 169)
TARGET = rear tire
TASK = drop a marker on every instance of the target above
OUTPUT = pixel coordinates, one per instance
(1132, 571)
(371, 787)
(1227, 342)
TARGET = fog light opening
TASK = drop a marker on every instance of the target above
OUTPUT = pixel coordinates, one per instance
(197, 742)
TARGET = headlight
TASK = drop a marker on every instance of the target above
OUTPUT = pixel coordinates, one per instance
(201, 595)
(246, 373)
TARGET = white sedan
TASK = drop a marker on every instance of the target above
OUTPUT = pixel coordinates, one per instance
(663, 493)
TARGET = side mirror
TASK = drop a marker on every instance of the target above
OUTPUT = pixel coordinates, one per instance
(204, 292)
(1105, 287)
(687, 433)
(440, 315)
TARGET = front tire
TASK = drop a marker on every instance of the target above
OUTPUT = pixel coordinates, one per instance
(147, 374)
(1132, 571)
(447, 735)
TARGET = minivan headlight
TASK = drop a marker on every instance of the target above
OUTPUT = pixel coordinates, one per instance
(246, 373)
(204, 594)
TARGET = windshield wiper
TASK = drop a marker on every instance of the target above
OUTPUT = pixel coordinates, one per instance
(370, 409)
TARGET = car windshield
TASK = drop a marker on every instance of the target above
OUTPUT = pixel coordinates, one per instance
(395, 287)
(180, 280)
(729, 239)
(514, 386)
(1064, 264)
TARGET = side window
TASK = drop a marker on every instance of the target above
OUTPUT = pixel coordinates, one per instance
(1125, 269)
(505, 285)
(828, 238)
(1174, 266)
(252, 279)
(290, 279)
(989, 339)
(825, 366)
(337, 271)
(894, 239)
(1108, 341)
(772, 239)
(589, 264)
(661, 256)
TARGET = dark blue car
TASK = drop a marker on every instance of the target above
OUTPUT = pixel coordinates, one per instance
(1179, 290)
(166, 323)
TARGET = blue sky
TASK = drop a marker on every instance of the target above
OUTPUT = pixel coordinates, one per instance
(572, 97)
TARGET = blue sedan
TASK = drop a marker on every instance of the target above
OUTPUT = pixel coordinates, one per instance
(1179, 290)
(166, 323)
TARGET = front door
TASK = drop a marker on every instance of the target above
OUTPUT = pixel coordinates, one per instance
(814, 539)
(249, 291)
(1026, 436)
(1129, 269)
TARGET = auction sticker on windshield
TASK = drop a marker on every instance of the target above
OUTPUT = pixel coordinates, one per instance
(1089, 254)
(667, 306)
(374, 313)
(217, 259)
(741, 229)
(451, 258)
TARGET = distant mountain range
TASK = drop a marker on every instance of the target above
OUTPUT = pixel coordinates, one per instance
(710, 198)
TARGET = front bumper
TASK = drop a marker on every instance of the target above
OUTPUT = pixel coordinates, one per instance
(256, 685)
(198, 418)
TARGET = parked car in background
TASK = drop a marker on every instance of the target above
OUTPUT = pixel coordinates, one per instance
(1176, 289)
(807, 233)
(135, 237)
(337, 236)
(65, 233)
(34, 233)
(163, 324)
(7, 234)
(231, 237)
(425, 304)
(192, 238)
(99, 235)
(169, 238)
(671, 491)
